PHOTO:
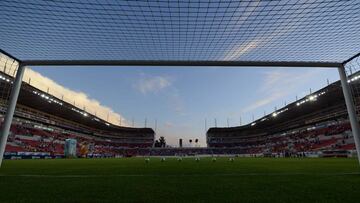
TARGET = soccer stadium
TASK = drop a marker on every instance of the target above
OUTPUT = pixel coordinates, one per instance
(57, 149)
(317, 123)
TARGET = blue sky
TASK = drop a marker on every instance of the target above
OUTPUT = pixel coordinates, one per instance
(181, 98)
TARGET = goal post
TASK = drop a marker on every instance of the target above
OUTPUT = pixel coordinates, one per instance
(4, 133)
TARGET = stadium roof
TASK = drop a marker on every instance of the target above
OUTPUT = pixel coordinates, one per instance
(323, 105)
(36, 99)
(181, 32)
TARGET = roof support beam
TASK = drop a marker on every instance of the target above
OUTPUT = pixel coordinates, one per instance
(178, 63)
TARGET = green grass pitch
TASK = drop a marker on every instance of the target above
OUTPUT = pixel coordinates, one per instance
(135, 180)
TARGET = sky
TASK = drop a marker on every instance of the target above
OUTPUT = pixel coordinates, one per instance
(180, 100)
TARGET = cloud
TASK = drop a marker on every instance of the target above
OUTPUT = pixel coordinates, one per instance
(280, 83)
(80, 99)
(239, 50)
(168, 124)
(263, 101)
(176, 102)
(151, 84)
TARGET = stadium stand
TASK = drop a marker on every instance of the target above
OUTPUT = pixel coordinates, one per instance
(315, 124)
(43, 122)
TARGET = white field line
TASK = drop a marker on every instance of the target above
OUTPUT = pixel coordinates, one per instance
(177, 175)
